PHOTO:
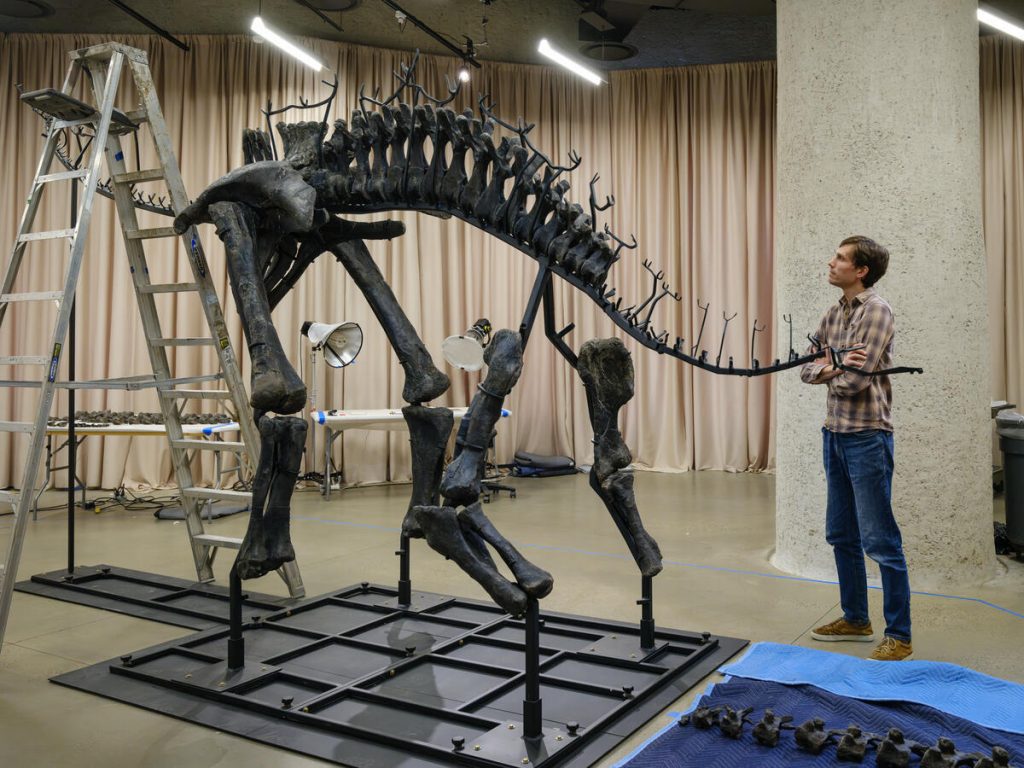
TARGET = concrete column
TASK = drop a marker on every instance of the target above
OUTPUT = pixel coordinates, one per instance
(878, 135)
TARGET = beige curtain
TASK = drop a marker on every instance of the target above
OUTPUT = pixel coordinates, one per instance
(1002, 136)
(687, 153)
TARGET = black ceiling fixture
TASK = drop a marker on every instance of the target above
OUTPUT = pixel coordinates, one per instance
(468, 55)
(319, 12)
(609, 50)
(335, 6)
(602, 30)
(152, 25)
(25, 9)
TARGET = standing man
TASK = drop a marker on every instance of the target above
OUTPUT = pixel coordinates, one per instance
(858, 451)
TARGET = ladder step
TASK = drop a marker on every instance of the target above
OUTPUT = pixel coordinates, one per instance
(195, 394)
(189, 342)
(52, 234)
(208, 445)
(219, 494)
(9, 497)
(134, 177)
(17, 426)
(168, 287)
(24, 360)
(20, 383)
(149, 234)
(162, 383)
(212, 540)
(6, 298)
(81, 173)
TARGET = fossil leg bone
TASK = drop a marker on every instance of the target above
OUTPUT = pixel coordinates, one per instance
(533, 580)
(607, 372)
(267, 544)
(504, 358)
(444, 534)
(429, 429)
(275, 384)
(423, 381)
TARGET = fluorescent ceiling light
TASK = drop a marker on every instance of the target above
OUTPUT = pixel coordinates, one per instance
(573, 66)
(1001, 24)
(271, 36)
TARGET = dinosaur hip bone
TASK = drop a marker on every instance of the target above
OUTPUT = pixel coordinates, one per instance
(462, 479)
(272, 187)
(429, 429)
(534, 581)
(267, 543)
(444, 534)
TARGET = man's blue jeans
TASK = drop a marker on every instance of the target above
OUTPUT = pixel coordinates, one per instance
(859, 521)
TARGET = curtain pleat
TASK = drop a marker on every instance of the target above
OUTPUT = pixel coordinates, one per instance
(688, 154)
(1002, 157)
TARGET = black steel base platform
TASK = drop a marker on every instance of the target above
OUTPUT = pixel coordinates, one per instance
(356, 679)
(165, 599)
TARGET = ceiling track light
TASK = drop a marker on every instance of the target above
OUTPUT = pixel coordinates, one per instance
(996, 22)
(261, 29)
(152, 25)
(545, 49)
(468, 56)
(323, 16)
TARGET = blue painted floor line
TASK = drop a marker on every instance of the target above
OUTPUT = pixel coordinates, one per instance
(681, 564)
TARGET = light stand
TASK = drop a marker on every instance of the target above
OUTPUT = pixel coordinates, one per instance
(312, 391)
(340, 344)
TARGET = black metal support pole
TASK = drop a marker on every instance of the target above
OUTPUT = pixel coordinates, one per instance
(532, 704)
(236, 643)
(404, 580)
(646, 612)
(72, 443)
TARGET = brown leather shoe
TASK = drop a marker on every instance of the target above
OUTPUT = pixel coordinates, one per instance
(891, 649)
(841, 629)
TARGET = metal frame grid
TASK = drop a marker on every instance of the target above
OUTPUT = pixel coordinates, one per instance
(355, 678)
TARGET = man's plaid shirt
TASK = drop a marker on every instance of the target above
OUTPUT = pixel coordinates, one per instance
(857, 402)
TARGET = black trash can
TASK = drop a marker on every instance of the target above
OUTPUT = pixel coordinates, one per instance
(1010, 426)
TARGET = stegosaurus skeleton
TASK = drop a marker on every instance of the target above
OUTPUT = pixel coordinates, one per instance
(277, 216)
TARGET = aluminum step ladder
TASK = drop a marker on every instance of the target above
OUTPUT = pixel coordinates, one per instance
(104, 65)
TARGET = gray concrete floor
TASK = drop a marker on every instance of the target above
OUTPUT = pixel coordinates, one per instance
(716, 531)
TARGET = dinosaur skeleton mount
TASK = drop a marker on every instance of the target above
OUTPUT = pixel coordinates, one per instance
(277, 216)
(852, 744)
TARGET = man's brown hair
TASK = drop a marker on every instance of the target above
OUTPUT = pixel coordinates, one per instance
(868, 254)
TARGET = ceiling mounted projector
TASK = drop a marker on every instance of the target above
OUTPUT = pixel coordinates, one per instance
(340, 342)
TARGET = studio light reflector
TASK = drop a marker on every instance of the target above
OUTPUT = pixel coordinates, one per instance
(466, 351)
(991, 20)
(572, 65)
(340, 342)
(261, 29)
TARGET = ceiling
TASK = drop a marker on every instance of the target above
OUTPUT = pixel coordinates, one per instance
(665, 33)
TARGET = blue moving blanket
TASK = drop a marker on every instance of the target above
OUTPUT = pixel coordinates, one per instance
(959, 691)
(689, 747)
